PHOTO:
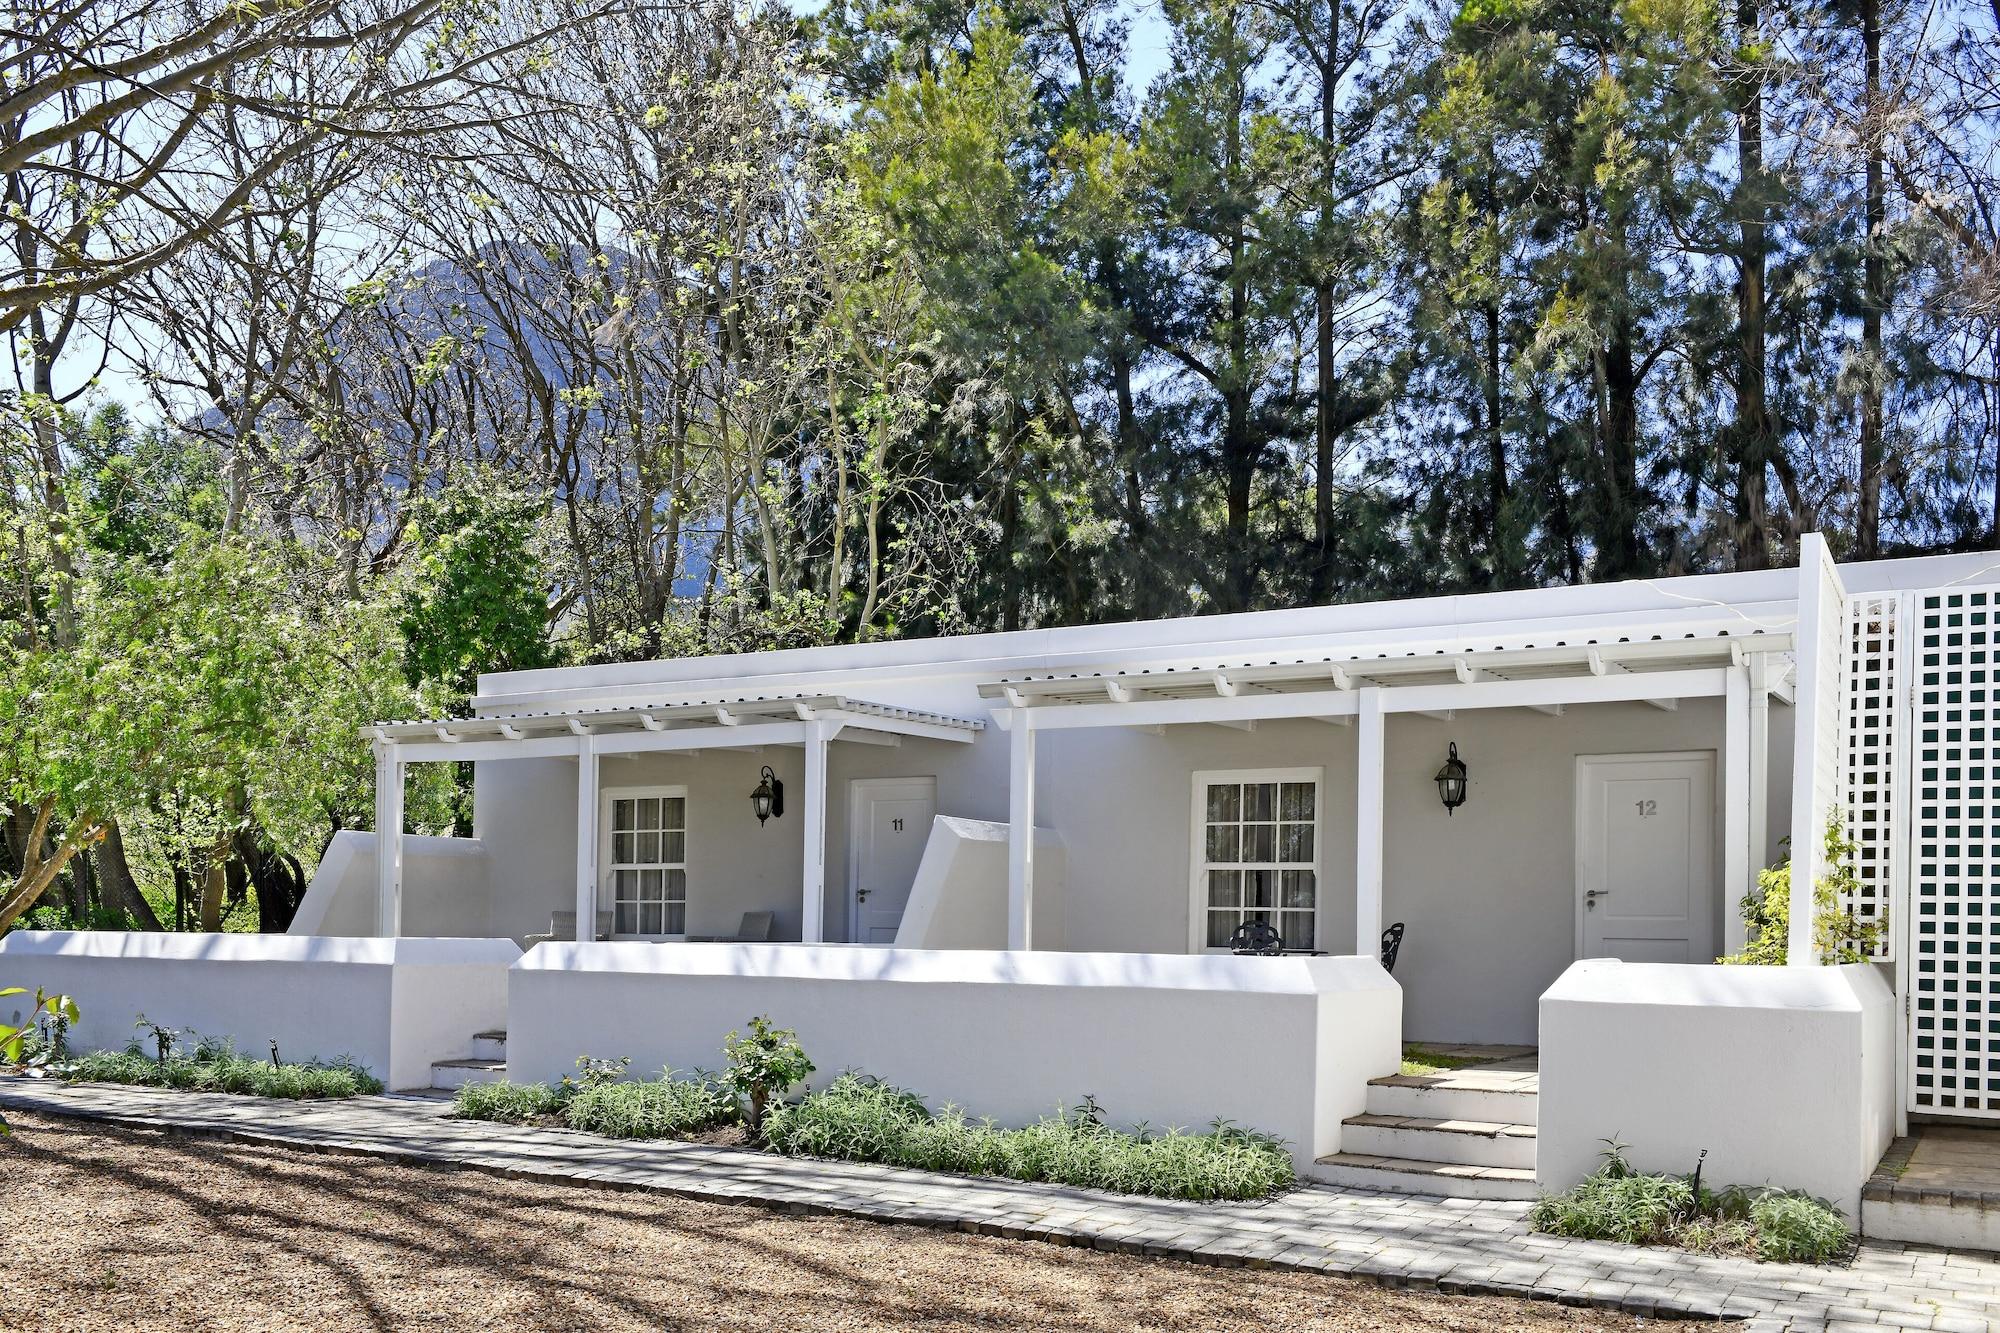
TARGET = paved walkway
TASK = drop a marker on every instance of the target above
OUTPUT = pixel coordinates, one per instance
(1453, 1245)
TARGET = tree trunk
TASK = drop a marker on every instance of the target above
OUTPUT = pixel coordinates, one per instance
(114, 878)
(1875, 300)
(215, 886)
(1752, 428)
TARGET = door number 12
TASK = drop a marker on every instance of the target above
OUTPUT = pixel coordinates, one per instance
(1646, 809)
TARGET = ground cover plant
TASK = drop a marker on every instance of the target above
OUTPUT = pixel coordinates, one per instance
(1419, 1060)
(213, 1064)
(1618, 1203)
(861, 1119)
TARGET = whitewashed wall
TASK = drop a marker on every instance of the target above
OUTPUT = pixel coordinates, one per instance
(446, 889)
(1787, 1075)
(392, 1006)
(1282, 1045)
(959, 897)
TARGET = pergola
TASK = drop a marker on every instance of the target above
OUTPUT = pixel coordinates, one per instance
(811, 721)
(1745, 665)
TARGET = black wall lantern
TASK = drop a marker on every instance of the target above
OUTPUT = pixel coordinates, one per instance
(769, 797)
(1451, 781)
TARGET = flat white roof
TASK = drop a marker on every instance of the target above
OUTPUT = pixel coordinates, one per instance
(1696, 606)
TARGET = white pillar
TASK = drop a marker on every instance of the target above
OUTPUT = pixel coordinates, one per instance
(1736, 855)
(1760, 763)
(389, 772)
(586, 837)
(1368, 776)
(812, 915)
(1021, 833)
(1816, 718)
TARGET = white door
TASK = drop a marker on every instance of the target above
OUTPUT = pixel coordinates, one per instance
(1645, 857)
(890, 821)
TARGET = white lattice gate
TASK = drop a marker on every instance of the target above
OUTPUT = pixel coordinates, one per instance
(1954, 1049)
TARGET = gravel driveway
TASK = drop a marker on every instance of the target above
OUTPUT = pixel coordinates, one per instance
(135, 1229)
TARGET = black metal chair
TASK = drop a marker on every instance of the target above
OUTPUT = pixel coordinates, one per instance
(1258, 937)
(1392, 943)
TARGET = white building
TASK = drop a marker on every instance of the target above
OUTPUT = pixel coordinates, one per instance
(1110, 795)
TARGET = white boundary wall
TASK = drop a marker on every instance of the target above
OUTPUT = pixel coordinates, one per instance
(1283, 1045)
(392, 1006)
(1787, 1075)
(445, 888)
(959, 897)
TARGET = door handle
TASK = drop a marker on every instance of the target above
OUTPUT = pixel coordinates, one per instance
(861, 895)
(1590, 897)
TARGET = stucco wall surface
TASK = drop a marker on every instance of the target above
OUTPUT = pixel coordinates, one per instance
(1786, 1075)
(1283, 1045)
(959, 898)
(446, 888)
(392, 1006)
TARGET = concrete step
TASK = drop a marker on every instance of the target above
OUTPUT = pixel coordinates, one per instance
(1450, 1180)
(489, 1046)
(1424, 1139)
(449, 1074)
(1431, 1099)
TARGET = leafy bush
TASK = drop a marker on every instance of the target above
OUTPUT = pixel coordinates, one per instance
(1617, 1203)
(764, 1066)
(662, 1108)
(858, 1118)
(511, 1103)
(1793, 1228)
(215, 1068)
(1837, 936)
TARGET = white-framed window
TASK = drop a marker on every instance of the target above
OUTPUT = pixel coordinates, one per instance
(645, 860)
(1256, 855)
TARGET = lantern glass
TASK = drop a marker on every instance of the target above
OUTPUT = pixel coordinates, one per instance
(1451, 781)
(764, 797)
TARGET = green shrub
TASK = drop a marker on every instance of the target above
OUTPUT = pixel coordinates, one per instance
(661, 1108)
(1837, 936)
(512, 1103)
(1794, 1228)
(215, 1068)
(1617, 1203)
(857, 1118)
(763, 1067)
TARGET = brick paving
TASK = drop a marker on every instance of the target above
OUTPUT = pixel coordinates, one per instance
(1453, 1245)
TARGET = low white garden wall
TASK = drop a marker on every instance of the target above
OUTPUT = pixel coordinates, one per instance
(959, 897)
(445, 890)
(392, 1006)
(1787, 1075)
(1284, 1045)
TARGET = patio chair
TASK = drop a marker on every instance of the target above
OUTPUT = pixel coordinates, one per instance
(562, 927)
(1392, 943)
(1257, 937)
(754, 928)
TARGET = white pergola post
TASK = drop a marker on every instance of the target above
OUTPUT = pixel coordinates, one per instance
(812, 915)
(1760, 764)
(586, 837)
(1021, 832)
(389, 771)
(1736, 769)
(1368, 780)
(1816, 718)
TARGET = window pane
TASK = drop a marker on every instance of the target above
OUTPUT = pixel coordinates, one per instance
(623, 848)
(673, 812)
(652, 919)
(1224, 802)
(1222, 888)
(676, 920)
(1260, 843)
(1221, 925)
(673, 848)
(1260, 800)
(1260, 888)
(1222, 842)
(677, 886)
(626, 919)
(1299, 889)
(621, 814)
(1295, 842)
(1297, 928)
(649, 812)
(625, 886)
(650, 889)
(1296, 801)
